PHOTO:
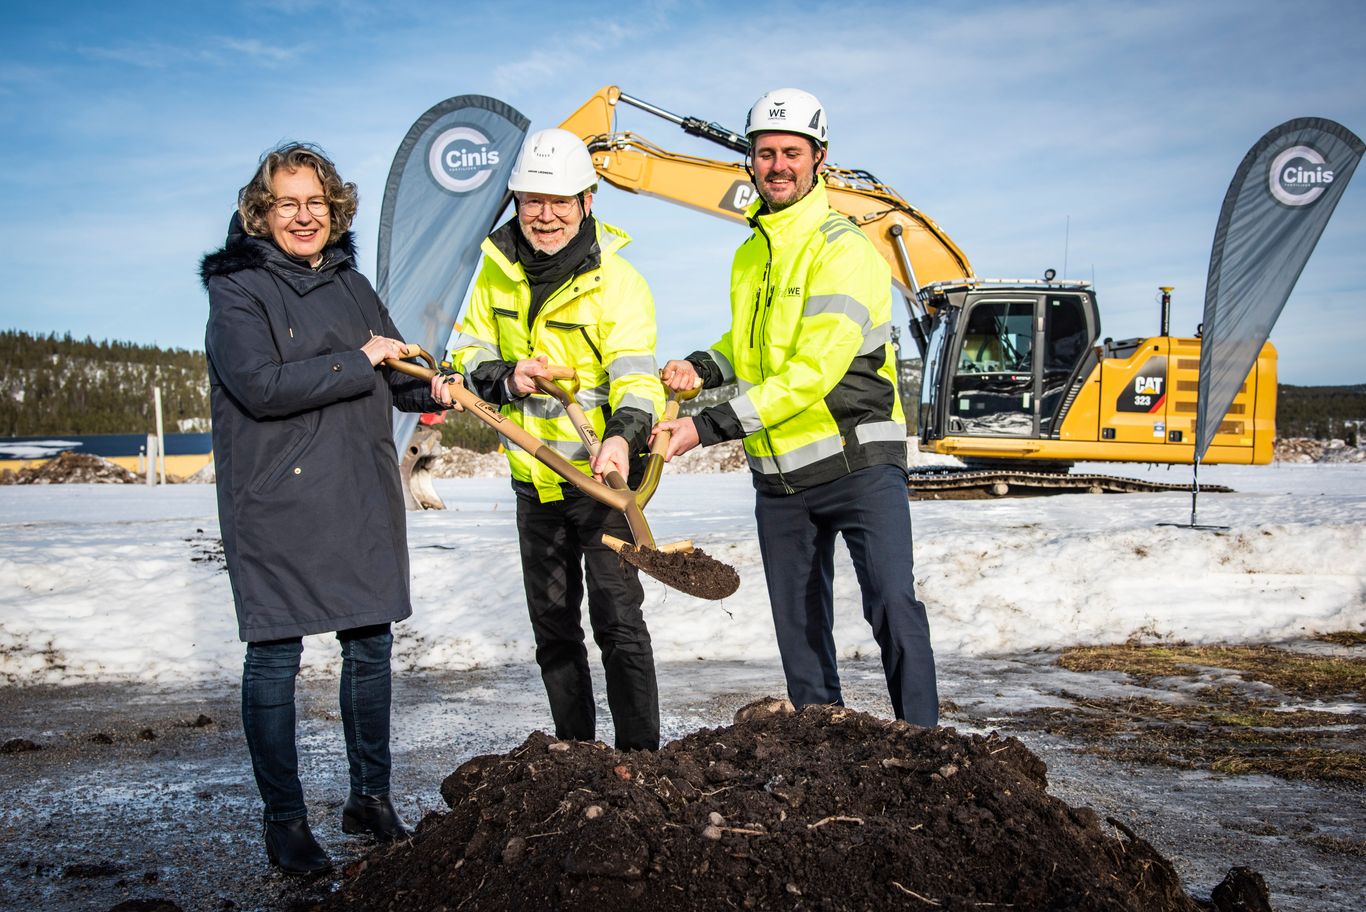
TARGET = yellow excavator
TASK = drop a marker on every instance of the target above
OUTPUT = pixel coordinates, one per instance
(1017, 380)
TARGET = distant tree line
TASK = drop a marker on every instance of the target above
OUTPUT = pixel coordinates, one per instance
(1321, 412)
(62, 385)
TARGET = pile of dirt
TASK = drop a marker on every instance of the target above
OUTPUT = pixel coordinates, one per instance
(723, 457)
(455, 462)
(1307, 449)
(823, 809)
(72, 468)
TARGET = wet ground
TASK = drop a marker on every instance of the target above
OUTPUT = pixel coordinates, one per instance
(136, 793)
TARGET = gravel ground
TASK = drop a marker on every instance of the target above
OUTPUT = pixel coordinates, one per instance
(139, 793)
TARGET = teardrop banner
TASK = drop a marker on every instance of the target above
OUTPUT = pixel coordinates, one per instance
(447, 187)
(1273, 214)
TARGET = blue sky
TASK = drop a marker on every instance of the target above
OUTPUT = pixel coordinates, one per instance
(1100, 135)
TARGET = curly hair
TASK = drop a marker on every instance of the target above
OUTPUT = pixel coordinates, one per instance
(254, 201)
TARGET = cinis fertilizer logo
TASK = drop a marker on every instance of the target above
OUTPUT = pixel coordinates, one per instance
(1299, 175)
(462, 159)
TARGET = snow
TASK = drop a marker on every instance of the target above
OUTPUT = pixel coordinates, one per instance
(97, 582)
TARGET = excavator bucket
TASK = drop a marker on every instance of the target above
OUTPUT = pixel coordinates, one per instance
(423, 448)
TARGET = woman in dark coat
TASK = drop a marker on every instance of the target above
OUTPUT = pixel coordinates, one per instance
(309, 497)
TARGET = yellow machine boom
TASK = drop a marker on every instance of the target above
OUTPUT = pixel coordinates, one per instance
(1015, 372)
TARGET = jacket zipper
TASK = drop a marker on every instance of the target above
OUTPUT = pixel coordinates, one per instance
(766, 290)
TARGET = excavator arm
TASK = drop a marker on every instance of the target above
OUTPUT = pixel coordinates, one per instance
(916, 248)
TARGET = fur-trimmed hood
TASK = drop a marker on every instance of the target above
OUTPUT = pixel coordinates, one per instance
(242, 251)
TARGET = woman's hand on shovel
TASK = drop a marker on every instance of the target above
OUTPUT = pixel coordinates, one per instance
(441, 392)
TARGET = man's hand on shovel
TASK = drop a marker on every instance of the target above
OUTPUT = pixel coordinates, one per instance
(679, 434)
(613, 455)
(523, 379)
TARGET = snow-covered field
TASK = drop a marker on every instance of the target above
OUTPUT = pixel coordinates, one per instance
(99, 582)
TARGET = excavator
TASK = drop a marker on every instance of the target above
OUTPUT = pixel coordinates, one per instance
(1017, 380)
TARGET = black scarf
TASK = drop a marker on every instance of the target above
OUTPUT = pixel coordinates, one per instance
(545, 273)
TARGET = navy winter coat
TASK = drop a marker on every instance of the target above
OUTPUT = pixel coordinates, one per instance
(309, 497)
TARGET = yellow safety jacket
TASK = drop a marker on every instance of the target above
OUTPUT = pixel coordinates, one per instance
(601, 322)
(810, 348)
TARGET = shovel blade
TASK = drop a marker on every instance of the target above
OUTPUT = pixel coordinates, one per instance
(693, 572)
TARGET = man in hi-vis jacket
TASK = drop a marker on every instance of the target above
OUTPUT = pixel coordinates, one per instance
(810, 350)
(553, 289)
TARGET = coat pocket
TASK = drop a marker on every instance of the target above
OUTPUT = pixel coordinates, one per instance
(585, 330)
(283, 466)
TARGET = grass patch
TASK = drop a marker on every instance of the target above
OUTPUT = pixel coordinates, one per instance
(1343, 638)
(1224, 733)
(1295, 674)
(1336, 846)
(1232, 727)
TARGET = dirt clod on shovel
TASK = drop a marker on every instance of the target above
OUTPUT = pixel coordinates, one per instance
(826, 809)
(695, 572)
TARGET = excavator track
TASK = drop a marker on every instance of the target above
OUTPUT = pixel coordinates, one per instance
(951, 483)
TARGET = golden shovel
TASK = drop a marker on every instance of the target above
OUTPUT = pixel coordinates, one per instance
(679, 566)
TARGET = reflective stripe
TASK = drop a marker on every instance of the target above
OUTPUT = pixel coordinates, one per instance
(832, 236)
(874, 340)
(744, 385)
(799, 458)
(593, 398)
(747, 414)
(484, 350)
(573, 450)
(727, 371)
(880, 430)
(632, 364)
(543, 407)
(630, 400)
(838, 304)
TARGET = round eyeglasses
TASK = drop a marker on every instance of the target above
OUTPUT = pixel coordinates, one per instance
(288, 208)
(533, 206)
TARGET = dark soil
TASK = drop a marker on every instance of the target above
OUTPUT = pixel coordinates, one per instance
(695, 572)
(824, 809)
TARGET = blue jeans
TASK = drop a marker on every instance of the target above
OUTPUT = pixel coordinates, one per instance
(268, 716)
(869, 507)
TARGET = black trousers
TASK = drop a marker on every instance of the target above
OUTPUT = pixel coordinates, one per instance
(797, 541)
(559, 541)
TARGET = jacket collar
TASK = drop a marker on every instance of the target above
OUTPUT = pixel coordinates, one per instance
(501, 248)
(799, 219)
(242, 252)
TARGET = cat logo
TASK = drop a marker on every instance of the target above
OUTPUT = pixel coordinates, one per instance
(1145, 392)
(1148, 386)
(738, 197)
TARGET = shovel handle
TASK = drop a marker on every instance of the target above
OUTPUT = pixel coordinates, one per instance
(654, 466)
(618, 499)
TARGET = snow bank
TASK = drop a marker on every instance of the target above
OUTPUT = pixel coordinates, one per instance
(119, 582)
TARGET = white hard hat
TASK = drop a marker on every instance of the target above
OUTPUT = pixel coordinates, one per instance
(788, 111)
(554, 162)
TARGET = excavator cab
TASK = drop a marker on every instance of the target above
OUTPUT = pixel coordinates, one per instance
(1007, 371)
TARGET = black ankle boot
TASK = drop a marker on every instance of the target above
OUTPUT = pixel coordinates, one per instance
(290, 846)
(374, 814)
